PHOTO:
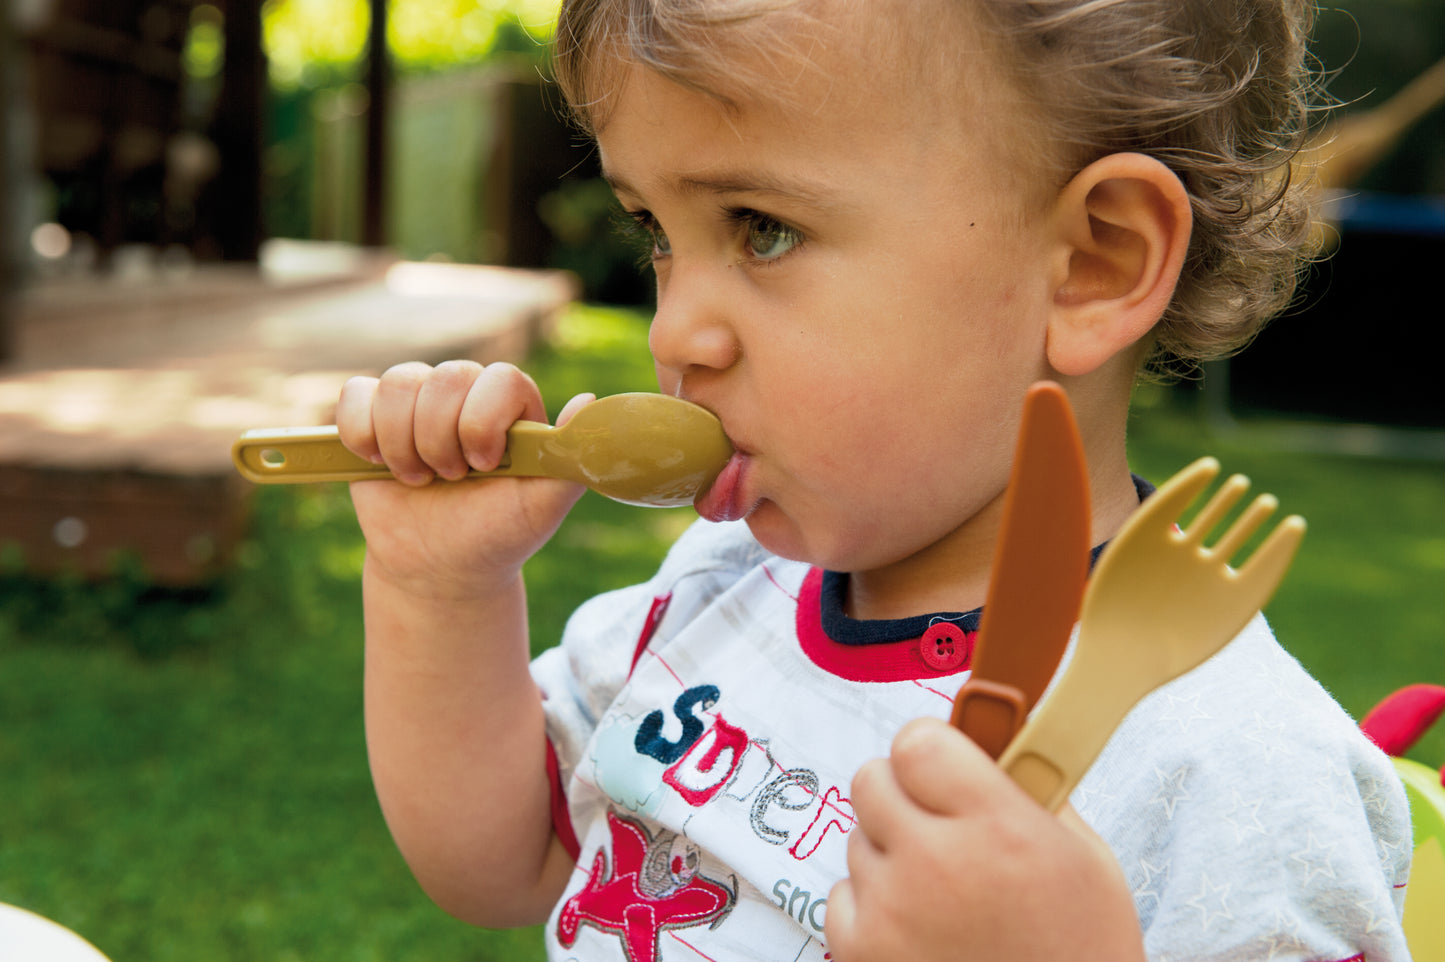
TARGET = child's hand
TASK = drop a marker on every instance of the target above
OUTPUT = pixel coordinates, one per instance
(951, 860)
(448, 540)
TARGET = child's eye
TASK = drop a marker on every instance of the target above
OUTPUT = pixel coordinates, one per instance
(767, 238)
(661, 246)
(641, 222)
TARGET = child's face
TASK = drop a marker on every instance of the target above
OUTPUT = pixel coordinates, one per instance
(856, 281)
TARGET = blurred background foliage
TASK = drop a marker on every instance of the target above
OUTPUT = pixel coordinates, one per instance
(307, 39)
(477, 133)
(449, 138)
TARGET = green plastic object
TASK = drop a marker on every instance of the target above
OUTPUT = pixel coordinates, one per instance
(1425, 895)
(1427, 800)
(1424, 922)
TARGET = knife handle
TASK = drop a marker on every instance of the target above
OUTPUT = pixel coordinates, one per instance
(990, 713)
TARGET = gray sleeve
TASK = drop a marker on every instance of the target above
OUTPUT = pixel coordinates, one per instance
(1251, 817)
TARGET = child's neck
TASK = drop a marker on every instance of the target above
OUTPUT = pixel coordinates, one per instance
(953, 574)
(949, 575)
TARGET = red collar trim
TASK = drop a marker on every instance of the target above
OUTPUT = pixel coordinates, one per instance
(885, 661)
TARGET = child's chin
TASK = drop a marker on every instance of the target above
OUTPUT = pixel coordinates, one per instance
(780, 536)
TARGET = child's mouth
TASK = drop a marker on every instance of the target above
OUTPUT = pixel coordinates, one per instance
(723, 501)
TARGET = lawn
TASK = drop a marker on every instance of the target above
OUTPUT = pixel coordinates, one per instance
(185, 776)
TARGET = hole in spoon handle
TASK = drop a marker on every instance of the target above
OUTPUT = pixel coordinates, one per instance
(300, 456)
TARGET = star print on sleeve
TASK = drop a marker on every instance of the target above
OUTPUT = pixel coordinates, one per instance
(1171, 789)
(1373, 914)
(1268, 737)
(1148, 887)
(1184, 711)
(1315, 859)
(1284, 938)
(1212, 902)
(1243, 817)
(1334, 785)
(615, 901)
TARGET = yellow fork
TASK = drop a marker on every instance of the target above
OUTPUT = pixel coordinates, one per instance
(1159, 603)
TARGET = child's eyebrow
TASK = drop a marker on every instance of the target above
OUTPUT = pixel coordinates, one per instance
(749, 183)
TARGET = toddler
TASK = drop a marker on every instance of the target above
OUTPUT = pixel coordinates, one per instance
(874, 223)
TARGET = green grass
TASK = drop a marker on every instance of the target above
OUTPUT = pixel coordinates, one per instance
(191, 797)
(185, 778)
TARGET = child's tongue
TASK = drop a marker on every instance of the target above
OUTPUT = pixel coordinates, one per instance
(723, 500)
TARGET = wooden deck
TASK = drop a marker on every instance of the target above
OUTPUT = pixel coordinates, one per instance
(118, 412)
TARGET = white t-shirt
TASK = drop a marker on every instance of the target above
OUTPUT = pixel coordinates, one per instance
(707, 725)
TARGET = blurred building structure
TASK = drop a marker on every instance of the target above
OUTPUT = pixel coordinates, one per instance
(129, 152)
(155, 322)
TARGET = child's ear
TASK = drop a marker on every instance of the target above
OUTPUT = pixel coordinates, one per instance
(1124, 222)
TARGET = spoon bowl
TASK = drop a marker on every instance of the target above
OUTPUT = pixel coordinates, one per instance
(643, 449)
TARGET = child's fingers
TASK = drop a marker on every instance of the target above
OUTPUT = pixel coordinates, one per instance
(439, 405)
(500, 396)
(940, 769)
(864, 857)
(880, 805)
(840, 923)
(573, 406)
(393, 417)
(353, 417)
(858, 903)
(1070, 819)
(930, 770)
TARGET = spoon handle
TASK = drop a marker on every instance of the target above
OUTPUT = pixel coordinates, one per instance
(304, 455)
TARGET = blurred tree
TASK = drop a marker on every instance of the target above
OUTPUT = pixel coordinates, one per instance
(378, 117)
(238, 134)
(1371, 50)
(7, 182)
(433, 34)
(310, 41)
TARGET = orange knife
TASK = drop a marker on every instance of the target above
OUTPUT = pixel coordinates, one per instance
(1040, 563)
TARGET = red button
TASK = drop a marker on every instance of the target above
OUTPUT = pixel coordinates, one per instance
(945, 646)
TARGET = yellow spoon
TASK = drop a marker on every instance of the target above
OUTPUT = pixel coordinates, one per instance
(644, 449)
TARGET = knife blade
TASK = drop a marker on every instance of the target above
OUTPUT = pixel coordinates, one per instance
(1040, 564)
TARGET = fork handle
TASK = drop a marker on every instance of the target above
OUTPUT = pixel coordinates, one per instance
(1045, 781)
(1063, 738)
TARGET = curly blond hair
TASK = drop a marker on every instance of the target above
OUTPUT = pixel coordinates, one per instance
(1219, 90)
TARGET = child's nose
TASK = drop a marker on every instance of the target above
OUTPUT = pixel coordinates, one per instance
(692, 326)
